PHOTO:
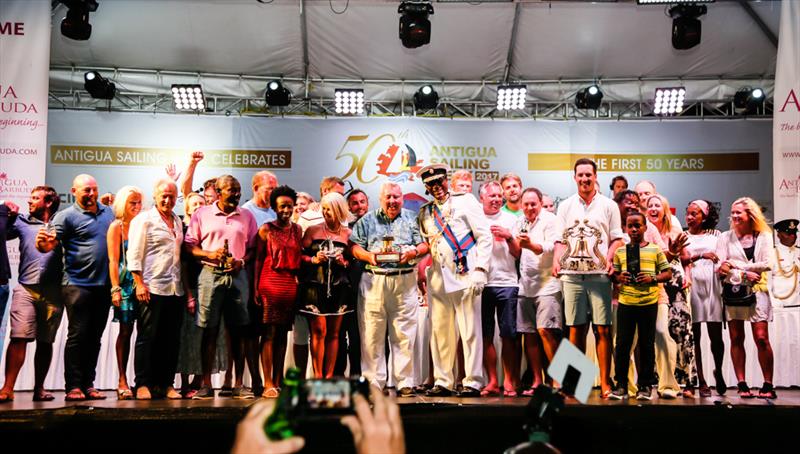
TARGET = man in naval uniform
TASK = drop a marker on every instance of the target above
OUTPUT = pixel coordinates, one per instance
(784, 282)
(460, 241)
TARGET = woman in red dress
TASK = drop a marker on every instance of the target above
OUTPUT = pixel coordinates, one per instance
(278, 258)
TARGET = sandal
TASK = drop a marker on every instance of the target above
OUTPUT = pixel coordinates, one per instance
(189, 394)
(143, 393)
(719, 382)
(744, 390)
(124, 394)
(74, 394)
(6, 397)
(767, 391)
(509, 393)
(705, 391)
(487, 391)
(271, 393)
(528, 392)
(94, 394)
(42, 396)
(172, 394)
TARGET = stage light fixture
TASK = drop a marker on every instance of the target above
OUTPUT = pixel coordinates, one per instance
(686, 26)
(747, 100)
(75, 24)
(589, 98)
(511, 97)
(98, 86)
(277, 94)
(349, 101)
(188, 97)
(426, 98)
(415, 28)
(669, 101)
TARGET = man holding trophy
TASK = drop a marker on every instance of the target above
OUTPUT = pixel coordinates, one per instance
(388, 241)
(458, 234)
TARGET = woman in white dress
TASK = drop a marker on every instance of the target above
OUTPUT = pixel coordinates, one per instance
(745, 254)
(706, 289)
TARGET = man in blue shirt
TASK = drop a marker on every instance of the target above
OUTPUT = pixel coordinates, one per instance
(80, 230)
(387, 296)
(36, 306)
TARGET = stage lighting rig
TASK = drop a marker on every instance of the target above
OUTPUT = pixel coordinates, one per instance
(686, 26)
(511, 97)
(589, 98)
(277, 94)
(188, 97)
(415, 28)
(747, 100)
(426, 98)
(98, 86)
(669, 101)
(349, 101)
(76, 23)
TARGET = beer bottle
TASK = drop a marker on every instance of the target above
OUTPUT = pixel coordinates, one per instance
(223, 262)
(282, 423)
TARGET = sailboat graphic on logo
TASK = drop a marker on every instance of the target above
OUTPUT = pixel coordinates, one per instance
(403, 169)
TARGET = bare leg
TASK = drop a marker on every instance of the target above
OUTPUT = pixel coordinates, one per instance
(15, 358)
(533, 353)
(717, 345)
(267, 344)
(490, 364)
(333, 325)
(301, 357)
(604, 356)
(736, 328)
(577, 335)
(41, 364)
(123, 350)
(765, 356)
(237, 351)
(278, 355)
(697, 330)
(209, 353)
(509, 357)
(251, 352)
(318, 333)
(226, 382)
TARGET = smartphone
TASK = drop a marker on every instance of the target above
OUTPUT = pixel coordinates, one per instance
(632, 257)
(333, 395)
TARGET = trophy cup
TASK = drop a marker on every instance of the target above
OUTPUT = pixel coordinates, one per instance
(582, 254)
(387, 254)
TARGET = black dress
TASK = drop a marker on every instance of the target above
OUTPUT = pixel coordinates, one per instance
(324, 288)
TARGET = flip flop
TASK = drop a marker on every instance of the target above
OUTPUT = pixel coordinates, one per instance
(74, 395)
(124, 394)
(94, 394)
(271, 393)
(485, 392)
(509, 393)
(6, 397)
(43, 396)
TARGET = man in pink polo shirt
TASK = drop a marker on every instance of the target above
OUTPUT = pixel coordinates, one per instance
(222, 237)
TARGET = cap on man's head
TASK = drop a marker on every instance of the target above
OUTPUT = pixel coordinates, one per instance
(787, 226)
(433, 172)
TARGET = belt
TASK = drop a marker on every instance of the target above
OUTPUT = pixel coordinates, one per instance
(385, 272)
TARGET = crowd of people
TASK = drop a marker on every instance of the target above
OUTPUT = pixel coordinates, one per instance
(229, 285)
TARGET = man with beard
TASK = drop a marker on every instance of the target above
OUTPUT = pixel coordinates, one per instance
(222, 237)
(36, 307)
(80, 230)
(388, 289)
(500, 294)
(512, 189)
(458, 235)
(587, 292)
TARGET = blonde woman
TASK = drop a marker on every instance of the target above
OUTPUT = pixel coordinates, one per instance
(127, 204)
(744, 254)
(674, 338)
(325, 292)
(304, 201)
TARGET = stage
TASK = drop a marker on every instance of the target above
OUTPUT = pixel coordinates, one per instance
(480, 425)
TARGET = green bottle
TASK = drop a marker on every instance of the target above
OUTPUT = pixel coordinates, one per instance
(282, 423)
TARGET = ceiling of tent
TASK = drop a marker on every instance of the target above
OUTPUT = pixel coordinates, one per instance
(358, 39)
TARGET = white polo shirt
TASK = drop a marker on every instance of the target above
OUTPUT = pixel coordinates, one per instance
(601, 213)
(536, 271)
(502, 267)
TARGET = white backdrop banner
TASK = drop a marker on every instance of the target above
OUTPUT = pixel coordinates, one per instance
(24, 76)
(786, 116)
(716, 160)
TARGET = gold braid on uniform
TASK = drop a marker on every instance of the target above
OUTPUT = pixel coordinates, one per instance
(791, 274)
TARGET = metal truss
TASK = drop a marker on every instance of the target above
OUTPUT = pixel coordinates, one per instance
(321, 107)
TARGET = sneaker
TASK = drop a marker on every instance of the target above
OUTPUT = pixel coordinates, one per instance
(644, 393)
(668, 394)
(242, 393)
(619, 393)
(204, 393)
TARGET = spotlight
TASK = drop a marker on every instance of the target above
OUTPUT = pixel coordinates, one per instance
(76, 23)
(747, 100)
(669, 101)
(686, 25)
(415, 28)
(511, 97)
(277, 94)
(188, 97)
(426, 98)
(349, 101)
(589, 98)
(98, 86)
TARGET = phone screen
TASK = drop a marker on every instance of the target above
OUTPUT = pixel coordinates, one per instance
(632, 257)
(334, 394)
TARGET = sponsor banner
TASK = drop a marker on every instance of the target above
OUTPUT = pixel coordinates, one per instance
(786, 116)
(696, 162)
(102, 155)
(24, 79)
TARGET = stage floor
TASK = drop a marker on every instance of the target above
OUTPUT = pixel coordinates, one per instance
(438, 425)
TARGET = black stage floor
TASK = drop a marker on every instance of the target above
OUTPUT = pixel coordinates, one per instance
(443, 425)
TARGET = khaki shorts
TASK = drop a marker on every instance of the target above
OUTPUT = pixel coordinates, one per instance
(587, 295)
(541, 312)
(36, 313)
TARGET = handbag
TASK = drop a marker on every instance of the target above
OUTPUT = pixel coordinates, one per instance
(738, 293)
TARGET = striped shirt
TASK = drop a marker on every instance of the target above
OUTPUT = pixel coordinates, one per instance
(651, 261)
